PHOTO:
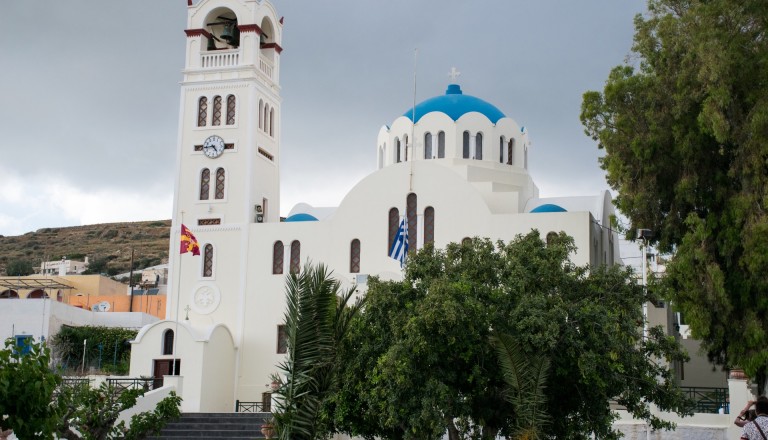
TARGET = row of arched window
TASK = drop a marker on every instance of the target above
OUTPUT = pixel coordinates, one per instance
(412, 215)
(218, 111)
(278, 255)
(472, 148)
(218, 184)
(266, 118)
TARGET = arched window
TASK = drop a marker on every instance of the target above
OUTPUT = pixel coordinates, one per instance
(261, 114)
(278, 253)
(208, 260)
(510, 152)
(441, 145)
(429, 225)
(405, 147)
(551, 237)
(205, 183)
(354, 256)
(231, 110)
(394, 224)
(168, 342)
(479, 146)
(465, 151)
(428, 146)
(202, 111)
(272, 122)
(295, 256)
(501, 149)
(266, 117)
(413, 221)
(220, 178)
(397, 150)
(217, 110)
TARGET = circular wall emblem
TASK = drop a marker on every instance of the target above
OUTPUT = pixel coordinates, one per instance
(205, 299)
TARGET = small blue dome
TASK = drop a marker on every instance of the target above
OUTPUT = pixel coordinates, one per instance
(548, 207)
(455, 104)
(301, 217)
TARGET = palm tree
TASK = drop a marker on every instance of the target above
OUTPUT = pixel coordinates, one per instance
(316, 319)
(526, 377)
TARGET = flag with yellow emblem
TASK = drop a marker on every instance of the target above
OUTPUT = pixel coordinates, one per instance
(189, 242)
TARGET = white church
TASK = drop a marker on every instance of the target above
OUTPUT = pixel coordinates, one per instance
(455, 166)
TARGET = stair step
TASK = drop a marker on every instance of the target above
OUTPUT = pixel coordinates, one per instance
(218, 426)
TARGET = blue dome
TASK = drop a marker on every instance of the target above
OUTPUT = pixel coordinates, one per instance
(301, 217)
(548, 207)
(455, 104)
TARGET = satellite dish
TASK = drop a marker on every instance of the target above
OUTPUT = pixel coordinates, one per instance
(101, 307)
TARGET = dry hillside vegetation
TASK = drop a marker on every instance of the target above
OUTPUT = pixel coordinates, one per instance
(108, 245)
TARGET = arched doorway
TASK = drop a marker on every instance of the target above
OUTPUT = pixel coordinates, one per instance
(7, 294)
(36, 294)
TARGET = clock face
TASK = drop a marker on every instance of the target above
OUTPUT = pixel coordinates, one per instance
(213, 146)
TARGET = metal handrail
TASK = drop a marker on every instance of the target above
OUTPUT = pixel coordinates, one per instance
(251, 407)
(145, 383)
(708, 399)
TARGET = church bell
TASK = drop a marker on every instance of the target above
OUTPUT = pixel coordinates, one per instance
(227, 34)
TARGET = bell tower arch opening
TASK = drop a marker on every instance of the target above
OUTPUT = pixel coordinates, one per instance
(221, 24)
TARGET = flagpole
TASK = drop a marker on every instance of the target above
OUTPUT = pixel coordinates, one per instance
(413, 125)
(178, 301)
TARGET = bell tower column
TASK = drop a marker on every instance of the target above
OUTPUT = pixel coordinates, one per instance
(227, 169)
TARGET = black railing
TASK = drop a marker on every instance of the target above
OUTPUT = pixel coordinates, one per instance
(708, 399)
(251, 407)
(146, 384)
(72, 383)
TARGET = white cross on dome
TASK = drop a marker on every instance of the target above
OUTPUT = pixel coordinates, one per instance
(454, 74)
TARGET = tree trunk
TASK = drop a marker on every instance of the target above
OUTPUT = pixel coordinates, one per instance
(453, 433)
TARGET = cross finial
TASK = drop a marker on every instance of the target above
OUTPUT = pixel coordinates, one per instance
(187, 309)
(454, 74)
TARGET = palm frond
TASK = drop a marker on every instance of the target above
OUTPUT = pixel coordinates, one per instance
(527, 378)
(316, 318)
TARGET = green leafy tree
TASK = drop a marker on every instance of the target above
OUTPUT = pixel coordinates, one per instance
(19, 268)
(93, 413)
(316, 320)
(115, 352)
(419, 360)
(685, 134)
(26, 390)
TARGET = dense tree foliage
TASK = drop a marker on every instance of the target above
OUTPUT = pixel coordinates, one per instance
(317, 317)
(19, 268)
(419, 360)
(35, 404)
(26, 390)
(686, 140)
(109, 343)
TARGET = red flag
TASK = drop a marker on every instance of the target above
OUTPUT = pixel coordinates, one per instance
(188, 242)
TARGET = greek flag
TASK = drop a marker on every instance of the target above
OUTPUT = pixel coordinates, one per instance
(400, 244)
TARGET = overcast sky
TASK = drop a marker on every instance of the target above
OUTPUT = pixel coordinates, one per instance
(91, 91)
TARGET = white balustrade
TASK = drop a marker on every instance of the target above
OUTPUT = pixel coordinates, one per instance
(266, 67)
(220, 58)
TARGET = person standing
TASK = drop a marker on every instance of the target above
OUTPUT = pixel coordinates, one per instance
(757, 429)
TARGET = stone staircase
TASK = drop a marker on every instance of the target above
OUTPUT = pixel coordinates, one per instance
(219, 426)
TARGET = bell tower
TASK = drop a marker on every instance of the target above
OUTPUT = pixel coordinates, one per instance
(228, 153)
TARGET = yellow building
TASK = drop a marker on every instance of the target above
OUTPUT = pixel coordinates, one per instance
(89, 292)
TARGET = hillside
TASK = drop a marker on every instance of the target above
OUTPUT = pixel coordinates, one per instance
(107, 243)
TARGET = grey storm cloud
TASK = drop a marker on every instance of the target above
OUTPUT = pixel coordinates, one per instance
(91, 89)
